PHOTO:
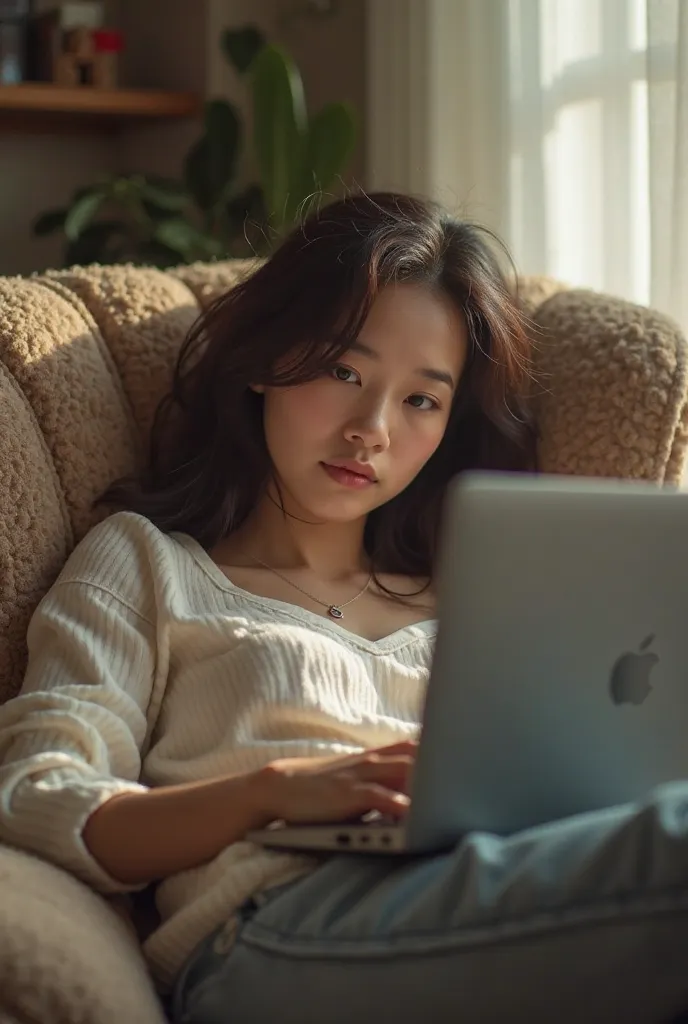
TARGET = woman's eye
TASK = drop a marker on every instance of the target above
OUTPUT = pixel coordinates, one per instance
(417, 401)
(345, 374)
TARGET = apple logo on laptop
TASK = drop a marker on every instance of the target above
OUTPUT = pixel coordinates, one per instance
(630, 679)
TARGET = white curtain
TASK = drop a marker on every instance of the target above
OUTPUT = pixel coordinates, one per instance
(598, 100)
(563, 124)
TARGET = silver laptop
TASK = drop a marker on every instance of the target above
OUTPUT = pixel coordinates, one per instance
(560, 678)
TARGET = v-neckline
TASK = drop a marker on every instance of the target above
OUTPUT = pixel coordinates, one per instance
(392, 641)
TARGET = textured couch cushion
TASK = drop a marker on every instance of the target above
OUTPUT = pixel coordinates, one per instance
(65, 954)
(35, 533)
(84, 357)
(142, 315)
(208, 281)
(611, 391)
(53, 350)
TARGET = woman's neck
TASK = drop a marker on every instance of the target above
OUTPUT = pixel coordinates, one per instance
(332, 551)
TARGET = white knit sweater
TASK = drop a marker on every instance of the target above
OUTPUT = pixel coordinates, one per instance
(147, 667)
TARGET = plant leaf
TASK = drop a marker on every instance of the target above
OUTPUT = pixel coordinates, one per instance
(280, 131)
(126, 187)
(156, 213)
(95, 244)
(171, 197)
(177, 234)
(331, 142)
(184, 238)
(82, 213)
(210, 165)
(49, 222)
(102, 185)
(241, 46)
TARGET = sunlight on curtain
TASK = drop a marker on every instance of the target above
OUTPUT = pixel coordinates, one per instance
(579, 195)
(561, 124)
(598, 101)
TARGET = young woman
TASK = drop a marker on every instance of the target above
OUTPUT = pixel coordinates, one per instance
(249, 639)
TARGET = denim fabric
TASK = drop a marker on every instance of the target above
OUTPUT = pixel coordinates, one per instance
(583, 920)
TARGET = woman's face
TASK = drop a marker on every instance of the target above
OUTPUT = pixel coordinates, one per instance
(350, 441)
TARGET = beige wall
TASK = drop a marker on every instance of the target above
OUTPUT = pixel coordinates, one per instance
(174, 44)
(36, 174)
(168, 50)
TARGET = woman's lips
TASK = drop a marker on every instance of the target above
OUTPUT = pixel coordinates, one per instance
(346, 477)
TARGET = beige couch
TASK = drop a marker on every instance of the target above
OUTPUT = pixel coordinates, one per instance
(84, 357)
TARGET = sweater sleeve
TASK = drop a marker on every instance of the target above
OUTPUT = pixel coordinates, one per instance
(73, 737)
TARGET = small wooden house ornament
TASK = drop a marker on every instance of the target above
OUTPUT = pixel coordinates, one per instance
(89, 58)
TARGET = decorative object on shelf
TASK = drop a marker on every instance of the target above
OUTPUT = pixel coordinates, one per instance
(78, 14)
(89, 58)
(148, 220)
(64, 33)
(14, 25)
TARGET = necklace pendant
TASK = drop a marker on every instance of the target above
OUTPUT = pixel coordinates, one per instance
(335, 612)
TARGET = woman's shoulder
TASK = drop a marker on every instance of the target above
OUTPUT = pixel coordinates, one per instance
(125, 551)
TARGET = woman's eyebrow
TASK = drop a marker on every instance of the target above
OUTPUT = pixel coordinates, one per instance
(364, 350)
(439, 376)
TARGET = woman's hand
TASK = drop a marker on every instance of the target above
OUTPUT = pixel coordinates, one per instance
(309, 790)
(143, 836)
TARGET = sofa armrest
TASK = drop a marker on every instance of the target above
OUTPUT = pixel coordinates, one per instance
(65, 954)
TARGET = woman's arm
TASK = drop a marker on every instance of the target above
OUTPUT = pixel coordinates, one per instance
(97, 667)
(139, 837)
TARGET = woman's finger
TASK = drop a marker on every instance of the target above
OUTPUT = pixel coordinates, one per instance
(408, 747)
(393, 772)
(373, 797)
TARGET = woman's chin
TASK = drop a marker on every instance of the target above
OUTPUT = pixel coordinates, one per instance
(344, 509)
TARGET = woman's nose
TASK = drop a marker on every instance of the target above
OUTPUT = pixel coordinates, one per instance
(370, 428)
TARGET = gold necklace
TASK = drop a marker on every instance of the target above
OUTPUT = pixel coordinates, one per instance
(333, 610)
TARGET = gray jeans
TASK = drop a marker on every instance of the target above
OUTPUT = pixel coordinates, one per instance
(583, 920)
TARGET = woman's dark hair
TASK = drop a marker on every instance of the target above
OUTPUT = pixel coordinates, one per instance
(296, 316)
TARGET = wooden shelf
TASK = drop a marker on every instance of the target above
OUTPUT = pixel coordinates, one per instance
(39, 105)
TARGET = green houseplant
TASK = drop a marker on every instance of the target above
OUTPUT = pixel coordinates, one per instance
(205, 215)
(298, 156)
(148, 220)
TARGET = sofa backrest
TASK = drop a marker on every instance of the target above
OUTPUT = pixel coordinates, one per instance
(86, 354)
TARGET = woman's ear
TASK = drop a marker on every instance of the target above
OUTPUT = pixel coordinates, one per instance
(258, 388)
